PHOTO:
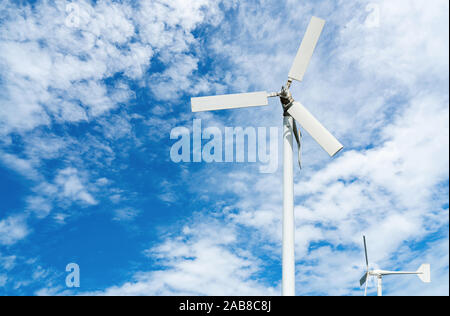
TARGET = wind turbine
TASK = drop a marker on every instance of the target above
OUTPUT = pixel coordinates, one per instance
(423, 273)
(292, 111)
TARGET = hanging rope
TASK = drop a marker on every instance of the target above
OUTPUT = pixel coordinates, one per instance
(298, 137)
(287, 102)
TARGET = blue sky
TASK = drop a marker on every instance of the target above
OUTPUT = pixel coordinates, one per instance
(87, 103)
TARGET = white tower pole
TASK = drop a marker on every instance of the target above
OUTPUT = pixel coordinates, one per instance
(380, 286)
(288, 285)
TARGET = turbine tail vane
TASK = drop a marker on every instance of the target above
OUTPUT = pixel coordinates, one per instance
(424, 273)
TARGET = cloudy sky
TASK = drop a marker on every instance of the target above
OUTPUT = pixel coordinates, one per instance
(90, 91)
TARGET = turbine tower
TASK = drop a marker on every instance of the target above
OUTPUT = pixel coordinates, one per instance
(292, 111)
(423, 273)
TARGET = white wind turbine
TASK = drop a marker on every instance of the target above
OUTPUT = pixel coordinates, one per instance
(293, 111)
(423, 273)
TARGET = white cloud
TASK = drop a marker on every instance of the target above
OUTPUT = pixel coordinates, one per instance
(409, 53)
(40, 205)
(198, 261)
(22, 166)
(43, 147)
(71, 186)
(3, 280)
(54, 73)
(175, 80)
(125, 214)
(60, 218)
(62, 66)
(7, 262)
(12, 230)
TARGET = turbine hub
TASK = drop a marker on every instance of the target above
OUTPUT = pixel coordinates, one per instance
(286, 99)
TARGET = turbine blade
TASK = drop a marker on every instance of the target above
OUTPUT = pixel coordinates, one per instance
(365, 289)
(363, 279)
(320, 134)
(306, 49)
(365, 251)
(229, 101)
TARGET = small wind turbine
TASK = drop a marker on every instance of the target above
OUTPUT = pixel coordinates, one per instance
(423, 273)
(292, 110)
